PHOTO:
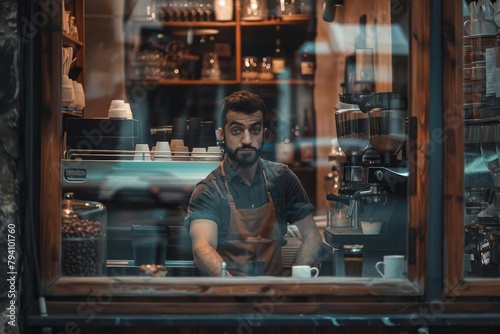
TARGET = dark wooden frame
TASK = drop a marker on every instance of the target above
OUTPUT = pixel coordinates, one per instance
(198, 294)
(456, 285)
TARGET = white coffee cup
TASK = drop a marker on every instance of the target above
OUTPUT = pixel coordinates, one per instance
(476, 27)
(142, 152)
(198, 153)
(214, 153)
(304, 271)
(488, 27)
(394, 266)
(162, 151)
(496, 14)
(369, 227)
(117, 104)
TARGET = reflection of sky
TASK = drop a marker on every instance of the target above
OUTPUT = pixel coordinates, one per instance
(475, 172)
(343, 36)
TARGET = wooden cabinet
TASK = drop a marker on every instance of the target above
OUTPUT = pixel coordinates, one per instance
(164, 63)
(73, 44)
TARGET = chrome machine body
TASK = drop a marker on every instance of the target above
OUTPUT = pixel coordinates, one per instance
(372, 132)
(138, 192)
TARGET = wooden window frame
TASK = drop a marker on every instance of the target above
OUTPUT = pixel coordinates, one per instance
(192, 291)
(456, 285)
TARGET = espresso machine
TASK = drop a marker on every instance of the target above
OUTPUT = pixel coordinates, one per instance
(371, 130)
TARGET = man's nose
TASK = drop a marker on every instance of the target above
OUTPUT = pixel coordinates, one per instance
(246, 139)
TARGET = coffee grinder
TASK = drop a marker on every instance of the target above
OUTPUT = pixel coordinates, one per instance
(372, 134)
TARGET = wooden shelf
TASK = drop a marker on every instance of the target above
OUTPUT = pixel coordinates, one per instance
(196, 24)
(278, 82)
(70, 41)
(182, 82)
(301, 19)
(184, 24)
(221, 82)
(71, 113)
(77, 9)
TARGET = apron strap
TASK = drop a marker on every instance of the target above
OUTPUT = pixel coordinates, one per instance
(229, 196)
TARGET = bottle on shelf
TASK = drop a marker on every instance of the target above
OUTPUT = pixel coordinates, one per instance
(297, 137)
(306, 144)
(278, 57)
(307, 62)
(285, 148)
(285, 151)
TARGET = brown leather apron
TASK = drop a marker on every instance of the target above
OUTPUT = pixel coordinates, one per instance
(253, 242)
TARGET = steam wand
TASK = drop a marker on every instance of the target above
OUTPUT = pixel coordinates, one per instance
(373, 191)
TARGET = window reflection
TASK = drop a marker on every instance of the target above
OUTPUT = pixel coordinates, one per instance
(149, 54)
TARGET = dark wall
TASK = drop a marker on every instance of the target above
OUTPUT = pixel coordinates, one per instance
(9, 168)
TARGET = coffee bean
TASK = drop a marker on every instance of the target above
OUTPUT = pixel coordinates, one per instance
(81, 246)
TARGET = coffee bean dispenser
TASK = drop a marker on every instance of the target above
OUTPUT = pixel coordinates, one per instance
(83, 237)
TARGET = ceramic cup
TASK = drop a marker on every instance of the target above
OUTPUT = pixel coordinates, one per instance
(181, 153)
(116, 104)
(369, 227)
(79, 101)
(214, 153)
(496, 13)
(162, 151)
(213, 149)
(198, 153)
(128, 111)
(176, 142)
(119, 109)
(394, 266)
(476, 27)
(68, 91)
(304, 271)
(488, 27)
(142, 152)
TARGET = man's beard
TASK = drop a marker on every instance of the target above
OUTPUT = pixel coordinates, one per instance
(243, 160)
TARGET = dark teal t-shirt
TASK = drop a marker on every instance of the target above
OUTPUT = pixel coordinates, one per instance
(209, 198)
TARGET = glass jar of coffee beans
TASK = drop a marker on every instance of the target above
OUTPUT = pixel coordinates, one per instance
(83, 237)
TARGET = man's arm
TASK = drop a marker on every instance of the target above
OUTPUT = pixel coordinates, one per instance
(204, 238)
(308, 252)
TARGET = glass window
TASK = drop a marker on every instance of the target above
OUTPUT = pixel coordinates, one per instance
(155, 74)
(480, 105)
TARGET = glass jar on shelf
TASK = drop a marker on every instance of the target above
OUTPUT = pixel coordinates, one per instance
(83, 237)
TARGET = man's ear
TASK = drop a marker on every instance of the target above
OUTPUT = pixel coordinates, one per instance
(221, 133)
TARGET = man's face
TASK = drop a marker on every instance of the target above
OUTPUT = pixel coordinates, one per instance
(244, 137)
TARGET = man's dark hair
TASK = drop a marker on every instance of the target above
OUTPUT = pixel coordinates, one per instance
(242, 101)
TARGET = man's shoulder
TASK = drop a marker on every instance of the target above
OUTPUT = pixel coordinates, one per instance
(275, 169)
(211, 178)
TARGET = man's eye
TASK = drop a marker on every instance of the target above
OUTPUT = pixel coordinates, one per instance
(256, 130)
(236, 131)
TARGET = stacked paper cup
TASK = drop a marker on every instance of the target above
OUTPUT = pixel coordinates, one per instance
(68, 91)
(142, 152)
(120, 109)
(162, 151)
(79, 101)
